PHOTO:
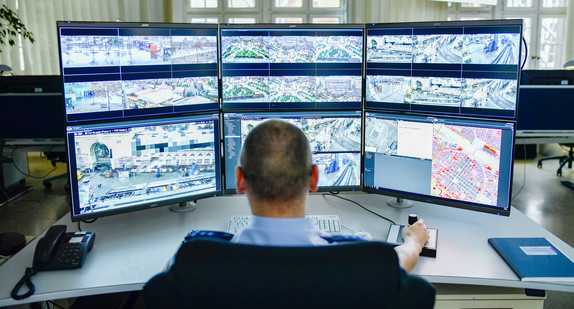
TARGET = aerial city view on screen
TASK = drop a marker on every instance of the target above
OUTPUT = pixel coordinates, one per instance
(465, 160)
(85, 97)
(390, 48)
(291, 88)
(142, 52)
(443, 91)
(124, 167)
(335, 143)
(291, 49)
(481, 49)
(498, 48)
(287, 85)
(96, 50)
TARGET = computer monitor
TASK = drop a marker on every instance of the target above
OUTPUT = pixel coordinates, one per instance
(468, 68)
(131, 165)
(303, 66)
(460, 162)
(122, 70)
(546, 103)
(334, 138)
(32, 109)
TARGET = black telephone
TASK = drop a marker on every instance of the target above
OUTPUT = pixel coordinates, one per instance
(60, 250)
(55, 251)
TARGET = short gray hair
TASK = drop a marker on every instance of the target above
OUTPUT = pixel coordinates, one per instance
(276, 161)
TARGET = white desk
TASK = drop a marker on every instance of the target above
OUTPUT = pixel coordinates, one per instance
(131, 248)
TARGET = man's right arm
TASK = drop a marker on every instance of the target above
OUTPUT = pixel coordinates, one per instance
(414, 236)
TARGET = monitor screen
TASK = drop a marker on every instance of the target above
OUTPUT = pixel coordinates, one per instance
(31, 108)
(291, 66)
(461, 68)
(334, 138)
(459, 162)
(131, 165)
(546, 102)
(122, 70)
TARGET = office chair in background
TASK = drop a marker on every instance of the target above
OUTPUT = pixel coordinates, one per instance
(219, 274)
(568, 159)
(55, 157)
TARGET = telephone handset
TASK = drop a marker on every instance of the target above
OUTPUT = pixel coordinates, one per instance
(55, 251)
(47, 245)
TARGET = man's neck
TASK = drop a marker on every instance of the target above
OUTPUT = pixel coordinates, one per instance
(287, 209)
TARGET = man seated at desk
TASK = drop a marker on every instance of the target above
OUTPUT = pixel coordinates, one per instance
(276, 172)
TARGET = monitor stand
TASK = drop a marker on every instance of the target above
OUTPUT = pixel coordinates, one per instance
(399, 203)
(183, 206)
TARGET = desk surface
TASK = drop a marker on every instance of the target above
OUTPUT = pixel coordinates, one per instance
(131, 248)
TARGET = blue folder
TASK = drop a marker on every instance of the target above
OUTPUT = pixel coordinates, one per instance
(534, 259)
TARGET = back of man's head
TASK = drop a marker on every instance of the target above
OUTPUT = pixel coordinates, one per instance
(276, 161)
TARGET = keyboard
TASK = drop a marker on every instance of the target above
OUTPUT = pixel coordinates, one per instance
(325, 223)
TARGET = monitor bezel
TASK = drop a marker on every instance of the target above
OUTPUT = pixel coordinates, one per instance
(439, 200)
(205, 108)
(72, 169)
(447, 24)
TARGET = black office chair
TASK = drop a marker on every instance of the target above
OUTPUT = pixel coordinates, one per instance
(218, 274)
(55, 157)
(563, 159)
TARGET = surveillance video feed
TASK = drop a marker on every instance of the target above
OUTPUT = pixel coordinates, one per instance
(338, 88)
(299, 67)
(339, 48)
(489, 93)
(244, 49)
(245, 89)
(436, 91)
(148, 93)
(292, 88)
(437, 48)
(390, 48)
(86, 97)
(381, 136)
(145, 50)
(496, 48)
(292, 49)
(335, 143)
(95, 50)
(390, 89)
(466, 68)
(315, 88)
(338, 169)
(193, 49)
(130, 166)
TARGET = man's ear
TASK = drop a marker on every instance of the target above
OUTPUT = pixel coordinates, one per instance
(239, 180)
(313, 184)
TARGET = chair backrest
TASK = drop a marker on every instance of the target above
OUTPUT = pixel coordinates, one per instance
(217, 274)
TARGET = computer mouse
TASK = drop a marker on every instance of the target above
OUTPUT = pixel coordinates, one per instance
(365, 235)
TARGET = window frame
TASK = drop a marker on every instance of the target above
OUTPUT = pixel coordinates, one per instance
(536, 12)
(264, 11)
